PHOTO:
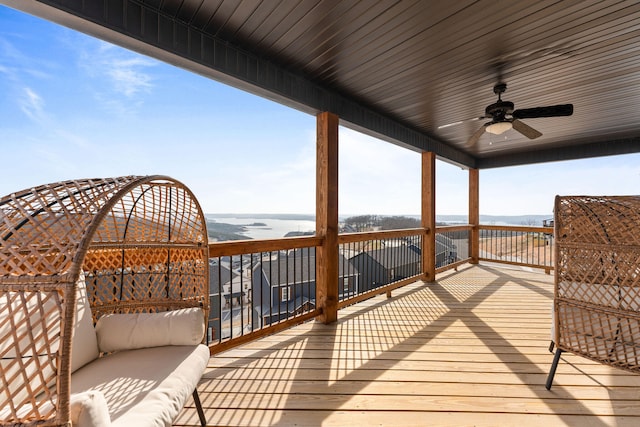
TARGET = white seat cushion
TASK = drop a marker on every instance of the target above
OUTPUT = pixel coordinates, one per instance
(117, 332)
(145, 387)
(84, 347)
(89, 409)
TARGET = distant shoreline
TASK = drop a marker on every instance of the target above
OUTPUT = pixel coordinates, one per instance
(484, 219)
(230, 226)
(296, 217)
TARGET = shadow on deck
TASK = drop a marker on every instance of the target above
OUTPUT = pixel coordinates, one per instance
(470, 349)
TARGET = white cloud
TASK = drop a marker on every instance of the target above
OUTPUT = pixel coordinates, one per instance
(284, 182)
(377, 177)
(452, 189)
(531, 189)
(124, 75)
(11, 57)
(32, 105)
(17, 65)
(128, 77)
(8, 72)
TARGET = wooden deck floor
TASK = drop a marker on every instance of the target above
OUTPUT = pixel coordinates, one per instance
(469, 350)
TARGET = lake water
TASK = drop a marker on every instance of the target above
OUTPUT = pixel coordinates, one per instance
(274, 229)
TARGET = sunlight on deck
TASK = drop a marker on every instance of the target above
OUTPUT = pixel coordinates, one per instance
(470, 349)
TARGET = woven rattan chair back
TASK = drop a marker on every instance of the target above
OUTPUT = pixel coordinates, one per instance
(142, 245)
(597, 295)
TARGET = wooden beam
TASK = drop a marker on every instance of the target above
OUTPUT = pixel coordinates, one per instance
(378, 235)
(237, 247)
(474, 214)
(327, 216)
(429, 215)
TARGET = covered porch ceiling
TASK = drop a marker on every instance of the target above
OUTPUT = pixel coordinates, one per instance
(400, 69)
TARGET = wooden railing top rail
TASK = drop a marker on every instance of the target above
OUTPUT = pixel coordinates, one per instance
(235, 247)
(524, 229)
(373, 235)
(450, 228)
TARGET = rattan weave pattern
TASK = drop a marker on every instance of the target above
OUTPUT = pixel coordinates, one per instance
(142, 245)
(597, 296)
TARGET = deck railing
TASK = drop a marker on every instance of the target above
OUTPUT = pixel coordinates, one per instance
(453, 246)
(259, 287)
(515, 245)
(379, 262)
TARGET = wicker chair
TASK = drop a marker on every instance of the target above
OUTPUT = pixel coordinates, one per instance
(597, 280)
(139, 243)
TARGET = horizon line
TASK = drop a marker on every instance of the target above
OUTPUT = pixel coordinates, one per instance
(267, 214)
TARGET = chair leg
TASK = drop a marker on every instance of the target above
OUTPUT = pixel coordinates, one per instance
(552, 372)
(551, 346)
(196, 399)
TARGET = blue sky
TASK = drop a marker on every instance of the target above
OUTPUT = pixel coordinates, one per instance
(77, 107)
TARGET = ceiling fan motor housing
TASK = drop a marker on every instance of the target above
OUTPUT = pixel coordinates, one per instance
(499, 110)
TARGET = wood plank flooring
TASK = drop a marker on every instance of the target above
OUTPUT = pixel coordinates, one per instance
(468, 350)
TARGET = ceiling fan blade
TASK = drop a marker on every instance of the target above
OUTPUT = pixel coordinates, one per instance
(476, 136)
(461, 122)
(525, 129)
(550, 111)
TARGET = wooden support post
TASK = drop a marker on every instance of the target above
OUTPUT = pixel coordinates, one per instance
(429, 216)
(327, 216)
(474, 214)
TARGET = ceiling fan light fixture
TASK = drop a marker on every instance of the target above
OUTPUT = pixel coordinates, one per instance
(499, 128)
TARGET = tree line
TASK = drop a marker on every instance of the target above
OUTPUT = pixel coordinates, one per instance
(362, 223)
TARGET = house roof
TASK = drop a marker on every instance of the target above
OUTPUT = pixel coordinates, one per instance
(394, 256)
(300, 268)
(219, 274)
(399, 70)
(287, 307)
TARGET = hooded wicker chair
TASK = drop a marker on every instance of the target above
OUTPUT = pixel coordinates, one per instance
(140, 243)
(597, 280)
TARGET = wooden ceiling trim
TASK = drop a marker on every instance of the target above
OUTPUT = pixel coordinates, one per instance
(436, 43)
(188, 10)
(322, 60)
(394, 27)
(261, 18)
(224, 23)
(273, 34)
(301, 32)
(597, 149)
(169, 8)
(204, 14)
(440, 67)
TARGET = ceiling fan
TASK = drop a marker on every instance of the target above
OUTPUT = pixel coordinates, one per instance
(504, 117)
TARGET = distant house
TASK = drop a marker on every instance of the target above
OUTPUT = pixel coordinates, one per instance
(219, 275)
(286, 286)
(348, 228)
(446, 250)
(386, 264)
